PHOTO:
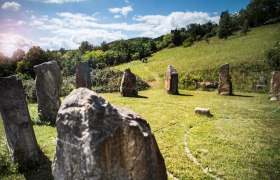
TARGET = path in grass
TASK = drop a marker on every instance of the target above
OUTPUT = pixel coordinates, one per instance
(194, 160)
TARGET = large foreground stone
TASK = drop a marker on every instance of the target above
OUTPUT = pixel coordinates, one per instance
(171, 80)
(19, 132)
(83, 75)
(128, 84)
(96, 140)
(225, 85)
(48, 84)
(275, 84)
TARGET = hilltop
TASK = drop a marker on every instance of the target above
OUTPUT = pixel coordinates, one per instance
(201, 62)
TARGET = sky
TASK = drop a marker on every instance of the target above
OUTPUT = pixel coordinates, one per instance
(55, 24)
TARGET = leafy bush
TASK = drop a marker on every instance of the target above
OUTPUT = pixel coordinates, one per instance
(273, 57)
(187, 43)
(109, 80)
(68, 85)
(186, 81)
(7, 167)
(30, 90)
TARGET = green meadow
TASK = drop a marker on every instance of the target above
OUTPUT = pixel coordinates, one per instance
(240, 141)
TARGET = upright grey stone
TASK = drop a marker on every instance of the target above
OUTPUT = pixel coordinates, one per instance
(20, 135)
(261, 83)
(96, 140)
(275, 84)
(83, 75)
(171, 80)
(48, 84)
(225, 85)
(128, 84)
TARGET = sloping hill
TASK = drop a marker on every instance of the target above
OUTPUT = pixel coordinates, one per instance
(245, 54)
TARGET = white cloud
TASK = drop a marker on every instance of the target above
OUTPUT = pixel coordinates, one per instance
(11, 42)
(121, 11)
(68, 30)
(126, 1)
(58, 1)
(14, 6)
(21, 23)
(164, 24)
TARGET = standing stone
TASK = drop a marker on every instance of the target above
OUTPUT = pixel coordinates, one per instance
(171, 80)
(96, 140)
(128, 84)
(83, 75)
(275, 84)
(20, 135)
(48, 84)
(261, 83)
(225, 85)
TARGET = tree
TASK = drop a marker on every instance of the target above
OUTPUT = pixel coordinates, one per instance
(225, 25)
(85, 46)
(262, 11)
(18, 55)
(104, 46)
(273, 57)
(35, 56)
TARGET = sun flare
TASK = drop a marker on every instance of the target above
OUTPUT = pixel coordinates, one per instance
(8, 49)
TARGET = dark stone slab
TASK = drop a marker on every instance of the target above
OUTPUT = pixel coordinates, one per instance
(83, 75)
(48, 84)
(128, 84)
(171, 80)
(19, 132)
(225, 84)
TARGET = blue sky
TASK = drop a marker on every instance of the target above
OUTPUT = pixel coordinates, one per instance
(55, 24)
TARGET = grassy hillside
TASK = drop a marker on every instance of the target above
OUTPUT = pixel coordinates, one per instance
(245, 54)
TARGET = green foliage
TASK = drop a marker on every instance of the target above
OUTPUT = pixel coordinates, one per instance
(225, 25)
(186, 81)
(187, 43)
(168, 39)
(35, 56)
(30, 90)
(84, 47)
(273, 57)
(262, 11)
(7, 167)
(68, 62)
(171, 45)
(109, 80)
(68, 85)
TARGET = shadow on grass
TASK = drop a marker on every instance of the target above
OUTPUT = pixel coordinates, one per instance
(180, 94)
(240, 95)
(138, 96)
(41, 171)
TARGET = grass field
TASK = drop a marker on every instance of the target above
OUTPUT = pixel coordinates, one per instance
(245, 54)
(240, 141)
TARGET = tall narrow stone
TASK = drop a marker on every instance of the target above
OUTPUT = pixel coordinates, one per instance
(225, 85)
(171, 80)
(96, 140)
(275, 84)
(128, 84)
(83, 75)
(48, 84)
(20, 135)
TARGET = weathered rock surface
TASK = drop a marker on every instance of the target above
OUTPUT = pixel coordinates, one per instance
(83, 75)
(128, 84)
(225, 85)
(261, 83)
(275, 84)
(171, 80)
(96, 140)
(48, 84)
(203, 111)
(19, 132)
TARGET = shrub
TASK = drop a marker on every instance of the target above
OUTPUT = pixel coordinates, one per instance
(68, 85)
(187, 43)
(273, 57)
(109, 80)
(171, 45)
(7, 167)
(186, 81)
(30, 90)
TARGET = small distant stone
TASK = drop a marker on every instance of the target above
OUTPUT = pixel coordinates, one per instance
(273, 99)
(203, 111)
